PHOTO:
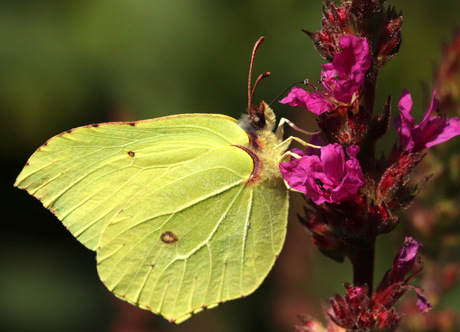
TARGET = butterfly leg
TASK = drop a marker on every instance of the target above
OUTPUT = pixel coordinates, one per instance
(285, 144)
(280, 129)
(287, 155)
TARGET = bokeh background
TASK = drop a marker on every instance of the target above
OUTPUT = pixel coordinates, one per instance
(69, 63)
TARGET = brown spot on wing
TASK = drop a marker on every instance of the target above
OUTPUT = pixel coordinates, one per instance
(131, 154)
(168, 237)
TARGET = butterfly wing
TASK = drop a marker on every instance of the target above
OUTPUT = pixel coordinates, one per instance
(196, 237)
(86, 175)
(168, 207)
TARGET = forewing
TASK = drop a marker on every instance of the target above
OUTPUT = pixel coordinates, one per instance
(198, 236)
(86, 175)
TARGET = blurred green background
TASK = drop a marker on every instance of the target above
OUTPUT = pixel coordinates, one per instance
(65, 64)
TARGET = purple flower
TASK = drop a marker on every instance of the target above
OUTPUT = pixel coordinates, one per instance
(405, 259)
(431, 131)
(402, 264)
(340, 79)
(327, 177)
(315, 102)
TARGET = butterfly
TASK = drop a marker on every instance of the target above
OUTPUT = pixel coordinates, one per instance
(184, 212)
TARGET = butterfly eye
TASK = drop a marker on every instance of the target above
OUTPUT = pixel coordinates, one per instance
(258, 120)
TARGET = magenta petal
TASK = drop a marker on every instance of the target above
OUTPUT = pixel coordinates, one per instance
(353, 168)
(345, 75)
(314, 102)
(433, 107)
(405, 122)
(341, 193)
(437, 130)
(352, 151)
(451, 128)
(431, 131)
(314, 192)
(341, 79)
(325, 178)
(333, 159)
(354, 59)
(293, 174)
(405, 259)
(405, 107)
(296, 97)
(295, 171)
(422, 303)
(354, 172)
(434, 130)
(353, 180)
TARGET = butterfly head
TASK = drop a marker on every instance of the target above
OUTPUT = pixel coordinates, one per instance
(258, 114)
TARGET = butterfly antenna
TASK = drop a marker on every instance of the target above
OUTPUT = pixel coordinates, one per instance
(256, 113)
(284, 91)
(254, 52)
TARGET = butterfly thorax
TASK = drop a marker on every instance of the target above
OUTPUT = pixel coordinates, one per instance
(265, 146)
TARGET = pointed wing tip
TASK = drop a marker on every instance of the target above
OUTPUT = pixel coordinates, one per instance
(180, 318)
(19, 184)
(19, 179)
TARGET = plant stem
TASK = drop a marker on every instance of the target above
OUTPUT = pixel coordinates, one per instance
(362, 260)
